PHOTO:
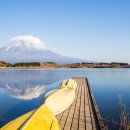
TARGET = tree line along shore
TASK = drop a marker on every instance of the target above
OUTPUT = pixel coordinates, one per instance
(56, 65)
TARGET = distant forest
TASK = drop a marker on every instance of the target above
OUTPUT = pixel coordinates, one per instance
(74, 65)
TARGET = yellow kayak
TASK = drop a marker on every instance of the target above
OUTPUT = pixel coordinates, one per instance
(60, 100)
(15, 124)
(40, 119)
(44, 118)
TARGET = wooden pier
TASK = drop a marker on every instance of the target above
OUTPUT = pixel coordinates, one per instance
(83, 114)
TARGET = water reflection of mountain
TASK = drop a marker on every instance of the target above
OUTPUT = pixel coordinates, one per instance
(26, 84)
(23, 88)
(24, 91)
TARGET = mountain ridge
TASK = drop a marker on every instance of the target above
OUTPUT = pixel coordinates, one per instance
(31, 49)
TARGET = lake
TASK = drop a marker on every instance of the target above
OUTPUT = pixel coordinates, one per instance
(22, 90)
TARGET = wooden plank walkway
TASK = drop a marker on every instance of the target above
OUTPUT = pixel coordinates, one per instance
(83, 114)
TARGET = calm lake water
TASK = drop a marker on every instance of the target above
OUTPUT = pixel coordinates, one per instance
(21, 90)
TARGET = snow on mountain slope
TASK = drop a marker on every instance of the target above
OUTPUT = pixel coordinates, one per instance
(31, 49)
(25, 43)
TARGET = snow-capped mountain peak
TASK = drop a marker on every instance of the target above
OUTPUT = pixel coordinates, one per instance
(31, 49)
(25, 43)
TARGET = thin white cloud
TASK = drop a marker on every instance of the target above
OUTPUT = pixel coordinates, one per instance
(27, 40)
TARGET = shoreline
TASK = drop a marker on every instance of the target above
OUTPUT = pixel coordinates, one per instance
(64, 68)
(46, 65)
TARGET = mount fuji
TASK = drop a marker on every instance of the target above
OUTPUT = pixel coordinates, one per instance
(31, 49)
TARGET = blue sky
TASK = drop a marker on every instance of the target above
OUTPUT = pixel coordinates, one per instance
(97, 30)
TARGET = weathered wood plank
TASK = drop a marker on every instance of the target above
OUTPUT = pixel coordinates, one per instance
(81, 114)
